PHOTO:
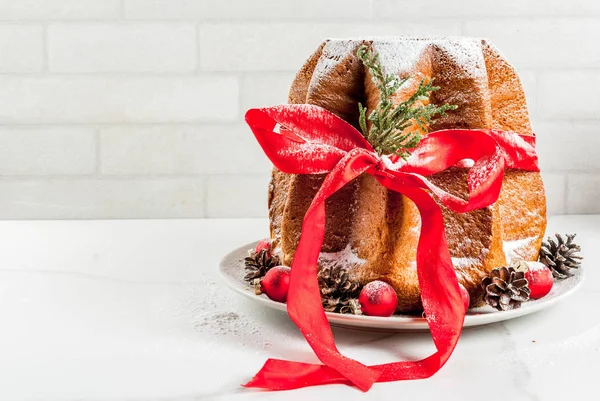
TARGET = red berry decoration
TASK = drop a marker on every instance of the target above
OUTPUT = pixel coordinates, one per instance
(465, 295)
(264, 244)
(276, 283)
(378, 298)
(540, 279)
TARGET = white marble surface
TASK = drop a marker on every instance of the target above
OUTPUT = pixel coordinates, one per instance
(135, 310)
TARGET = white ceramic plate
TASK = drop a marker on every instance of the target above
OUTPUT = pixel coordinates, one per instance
(232, 270)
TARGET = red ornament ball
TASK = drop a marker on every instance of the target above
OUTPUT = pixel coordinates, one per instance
(378, 298)
(540, 279)
(264, 244)
(276, 282)
(465, 296)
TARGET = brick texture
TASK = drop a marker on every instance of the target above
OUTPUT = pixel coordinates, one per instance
(21, 48)
(98, 198)
(122, 47)
(248, 10)
(47, 151)
(134, 108)
(93, 99)
(43, 10)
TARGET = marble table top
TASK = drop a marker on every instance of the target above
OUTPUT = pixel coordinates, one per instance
(135, 310)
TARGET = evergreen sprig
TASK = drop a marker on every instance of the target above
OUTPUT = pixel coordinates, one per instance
(388, 133)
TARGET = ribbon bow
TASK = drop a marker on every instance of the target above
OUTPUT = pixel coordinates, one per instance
(306, 139)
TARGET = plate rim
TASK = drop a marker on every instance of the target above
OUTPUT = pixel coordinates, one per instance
(394, 322)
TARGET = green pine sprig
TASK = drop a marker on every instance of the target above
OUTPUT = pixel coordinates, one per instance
(388, 133)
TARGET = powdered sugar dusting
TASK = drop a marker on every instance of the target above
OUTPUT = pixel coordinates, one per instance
(401, 55)
(278, 252)
(333, 52)
(387, 162)
(467, 54)
(458, 263)
(374, 288)
(212, 312)
(276, 224)
(347, 257)
(512, 248)
(536, 266)
(462, 263)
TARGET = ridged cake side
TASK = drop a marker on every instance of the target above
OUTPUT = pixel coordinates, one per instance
(373, 231)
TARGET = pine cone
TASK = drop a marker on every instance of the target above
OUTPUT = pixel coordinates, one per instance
(338, 293)
(258, 264)
(505, 288)
(560, 256)
(348, 306)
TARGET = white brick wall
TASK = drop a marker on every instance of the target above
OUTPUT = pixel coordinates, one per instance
(38, 151)
(89, 99)
(542, 43)
(44, 10)
(237, 196)
(580, 87)
(401, 9)
(180, 150)
(113, 47)
(249, 10)
(21, 48)
(134, 108)
(101, 197)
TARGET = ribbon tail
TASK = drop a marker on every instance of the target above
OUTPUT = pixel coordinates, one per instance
(440, 291)
(304, 297)
(442, 303)
(277, 374)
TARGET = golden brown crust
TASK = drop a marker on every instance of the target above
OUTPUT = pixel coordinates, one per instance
(299, 89)
(509, 106)
(522, 206)
(338, 80)
(522, 191)
(380, 228)
(463, 82)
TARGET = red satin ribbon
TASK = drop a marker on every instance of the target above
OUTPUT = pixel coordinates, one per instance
(305, 139)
